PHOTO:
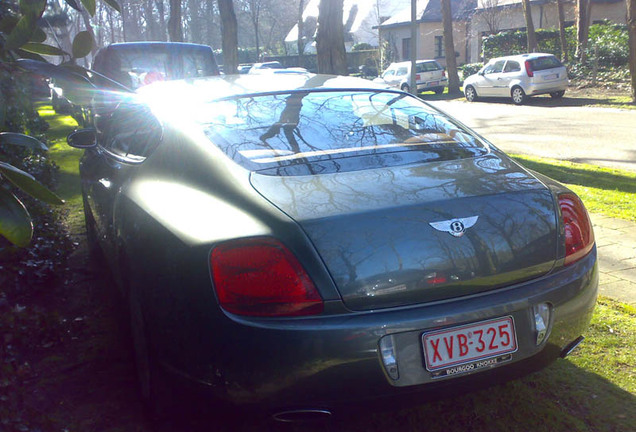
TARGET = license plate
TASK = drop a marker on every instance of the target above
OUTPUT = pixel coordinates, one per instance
(432, 83)
(551, 77)
(470, 343)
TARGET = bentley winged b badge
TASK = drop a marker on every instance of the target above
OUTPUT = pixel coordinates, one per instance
(455, 227)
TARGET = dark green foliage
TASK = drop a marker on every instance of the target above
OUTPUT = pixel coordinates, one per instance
(608, 43)
(470, 69)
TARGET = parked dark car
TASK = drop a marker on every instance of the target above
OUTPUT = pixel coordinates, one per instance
(135, 64)
(296, 243)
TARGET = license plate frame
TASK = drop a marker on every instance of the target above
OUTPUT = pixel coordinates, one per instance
(433, 83)
(551, 77)
(440, 346)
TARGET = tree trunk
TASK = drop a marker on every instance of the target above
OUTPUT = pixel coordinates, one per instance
(449, 48)
(162, 20)
(175, 29)
(581, 29)
(631, 29)
(255, 10)
(229, 36)
(151, 24)
(301, 28)
(331, 58)
(562, 39)
(532, 37)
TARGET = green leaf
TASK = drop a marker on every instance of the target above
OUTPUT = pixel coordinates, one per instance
(113, 4)
(15, 221)
(90, 6)
(74, 5)
(82, 44)
(34, 8)
(38, 35)
(29, 55)
(29, 184)
(44, 49)
(8, 23)
(21, 33)
(22, 140)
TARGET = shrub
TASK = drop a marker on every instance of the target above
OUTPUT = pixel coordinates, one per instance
(470, 69)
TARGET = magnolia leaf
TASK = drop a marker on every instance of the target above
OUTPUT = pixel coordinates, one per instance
(82, 44)
(38, 36)
(44, 49)
(74, 5)
(15, 221)
(29, 55)
(90, 6)
(29, 184)
(19, 139)
(34, 8)
(21, 33)
(113, 4)
(8, 23)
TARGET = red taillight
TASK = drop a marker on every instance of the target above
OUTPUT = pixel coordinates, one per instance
(261, 277)
(418, 77)
(529, 69)
(579, 236)
(444, 73)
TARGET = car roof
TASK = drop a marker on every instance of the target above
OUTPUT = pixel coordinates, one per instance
(529, 56)
(227, 86)
(123, 46)
(404, 63)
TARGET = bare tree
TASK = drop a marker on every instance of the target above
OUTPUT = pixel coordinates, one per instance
(330, 47)
(449, 48)
(562, 38)
(255, 14)
(531, 36)
(175, 26)
(631, 28)
(491, 15)
(582, 25)
(229, 36)
(300, 42)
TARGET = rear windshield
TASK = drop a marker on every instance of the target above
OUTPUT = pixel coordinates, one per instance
(427, 67)
(543, 63)
(308, 132)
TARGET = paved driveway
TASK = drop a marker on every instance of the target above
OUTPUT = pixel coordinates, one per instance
(600, 136)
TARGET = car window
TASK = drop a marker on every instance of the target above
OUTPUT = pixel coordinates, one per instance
(512, 66)
(389, 73)
(329, 128)
(401, 71)
(495, 67)
(427, 67)
(132, 132)
(543, 63)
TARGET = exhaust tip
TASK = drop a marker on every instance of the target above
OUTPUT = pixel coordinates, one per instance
(302, 415)
(572, 346)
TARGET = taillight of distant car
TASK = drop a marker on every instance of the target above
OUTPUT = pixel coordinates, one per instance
(529, 69)
(579, 235)
(260, 277)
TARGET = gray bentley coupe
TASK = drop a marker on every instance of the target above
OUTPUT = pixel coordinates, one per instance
(300, 242)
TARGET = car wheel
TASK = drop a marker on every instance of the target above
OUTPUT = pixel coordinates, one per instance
(439, 90)
(518, 95)
(155, 393)
(470, 93)
(557, 94)
(405, 88)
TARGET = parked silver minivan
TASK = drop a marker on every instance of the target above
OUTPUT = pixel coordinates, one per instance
(430, 76)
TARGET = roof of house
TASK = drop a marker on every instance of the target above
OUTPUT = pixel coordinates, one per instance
(431, 11)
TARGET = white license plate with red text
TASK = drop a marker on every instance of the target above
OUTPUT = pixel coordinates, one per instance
(447, 348)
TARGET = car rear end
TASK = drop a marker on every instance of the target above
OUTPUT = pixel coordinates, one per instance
(430, 76)
(545, 74)
(393, 254)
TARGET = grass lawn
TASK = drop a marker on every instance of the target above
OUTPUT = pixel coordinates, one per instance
(607, 191)
(592, 390)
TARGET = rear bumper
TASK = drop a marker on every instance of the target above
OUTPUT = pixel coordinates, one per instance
(548, 87)
(441, 83)
(330, 361)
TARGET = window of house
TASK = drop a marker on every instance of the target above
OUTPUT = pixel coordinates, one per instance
(406, 49)
(439, 46)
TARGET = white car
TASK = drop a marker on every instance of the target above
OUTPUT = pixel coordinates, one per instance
(518, 77)
(430, 76)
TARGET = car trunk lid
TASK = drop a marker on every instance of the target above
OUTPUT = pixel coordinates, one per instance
(385, 234)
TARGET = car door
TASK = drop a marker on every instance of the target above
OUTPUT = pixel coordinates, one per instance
(491, 79)
(131, 133)
(389, 77)
(401, 76)
(510, 72)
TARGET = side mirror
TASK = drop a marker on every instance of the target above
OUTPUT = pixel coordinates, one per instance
(82, 138)
(481, 72)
